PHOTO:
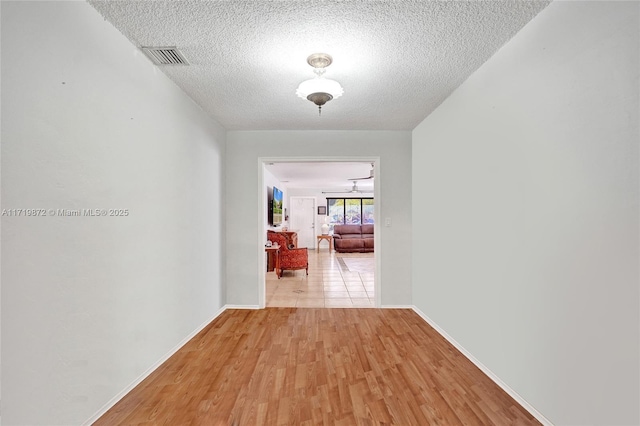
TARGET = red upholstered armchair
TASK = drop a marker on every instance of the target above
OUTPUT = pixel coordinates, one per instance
(291, 259)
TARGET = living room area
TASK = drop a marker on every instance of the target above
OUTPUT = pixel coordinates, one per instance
(321, 216)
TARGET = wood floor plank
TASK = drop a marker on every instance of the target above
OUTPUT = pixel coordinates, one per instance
(305, 366)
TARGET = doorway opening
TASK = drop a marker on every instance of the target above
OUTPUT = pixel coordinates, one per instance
(343, 278)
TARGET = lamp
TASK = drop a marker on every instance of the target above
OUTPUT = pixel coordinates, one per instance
(325, 226)
(319, 90)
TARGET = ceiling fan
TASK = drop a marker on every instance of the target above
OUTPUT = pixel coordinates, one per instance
(353, 190)
(365, 178)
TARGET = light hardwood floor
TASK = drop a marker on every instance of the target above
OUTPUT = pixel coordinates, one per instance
(329, 284)
(307, 366)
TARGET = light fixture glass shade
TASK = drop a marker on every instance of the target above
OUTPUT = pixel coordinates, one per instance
(319, 85)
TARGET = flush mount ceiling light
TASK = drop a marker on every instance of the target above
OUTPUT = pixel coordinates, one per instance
(319, 90)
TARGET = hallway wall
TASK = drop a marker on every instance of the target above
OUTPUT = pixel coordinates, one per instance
(244, 148)
(90, 303)
(528, 250)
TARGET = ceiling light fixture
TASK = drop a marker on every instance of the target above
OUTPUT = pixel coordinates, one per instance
(319, 90)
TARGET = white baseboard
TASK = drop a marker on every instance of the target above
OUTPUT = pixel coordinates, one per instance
(397, 307)
(535, 413)
(241, 307)
(151, 369)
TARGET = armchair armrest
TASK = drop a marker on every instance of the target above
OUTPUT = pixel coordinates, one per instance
(294, 255)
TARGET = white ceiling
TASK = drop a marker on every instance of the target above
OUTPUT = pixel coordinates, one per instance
(325, 176)
(397, 60)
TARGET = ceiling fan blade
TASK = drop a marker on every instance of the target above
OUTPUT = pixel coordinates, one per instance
(365, 178)
(354, 190)
(347, 192)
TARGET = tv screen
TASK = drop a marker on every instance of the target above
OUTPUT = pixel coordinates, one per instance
(277, 206)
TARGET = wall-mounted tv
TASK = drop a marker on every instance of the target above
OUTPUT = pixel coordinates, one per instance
(275, 207)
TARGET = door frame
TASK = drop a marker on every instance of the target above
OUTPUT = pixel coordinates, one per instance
(262, 212)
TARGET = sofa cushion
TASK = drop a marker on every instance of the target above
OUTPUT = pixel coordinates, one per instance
(350, 236)
(367, 229)
(344, 230)
(349, 243)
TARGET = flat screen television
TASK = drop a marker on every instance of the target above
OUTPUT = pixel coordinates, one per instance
(275, 207)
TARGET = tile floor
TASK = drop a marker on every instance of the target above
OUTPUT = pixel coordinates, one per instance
(330, 284)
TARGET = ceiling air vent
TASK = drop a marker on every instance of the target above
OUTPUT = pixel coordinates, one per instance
(168, 55)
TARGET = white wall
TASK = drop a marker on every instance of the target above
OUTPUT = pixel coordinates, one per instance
(89, 303)
(269, 182)
(527, 181)
(244, 148)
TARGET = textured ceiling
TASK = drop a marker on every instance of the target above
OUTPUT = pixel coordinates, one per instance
(397, 60)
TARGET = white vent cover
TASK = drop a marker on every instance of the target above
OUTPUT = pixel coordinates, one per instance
(166, 55)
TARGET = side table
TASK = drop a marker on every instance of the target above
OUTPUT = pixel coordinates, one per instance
(329, 238)
(275, 249)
